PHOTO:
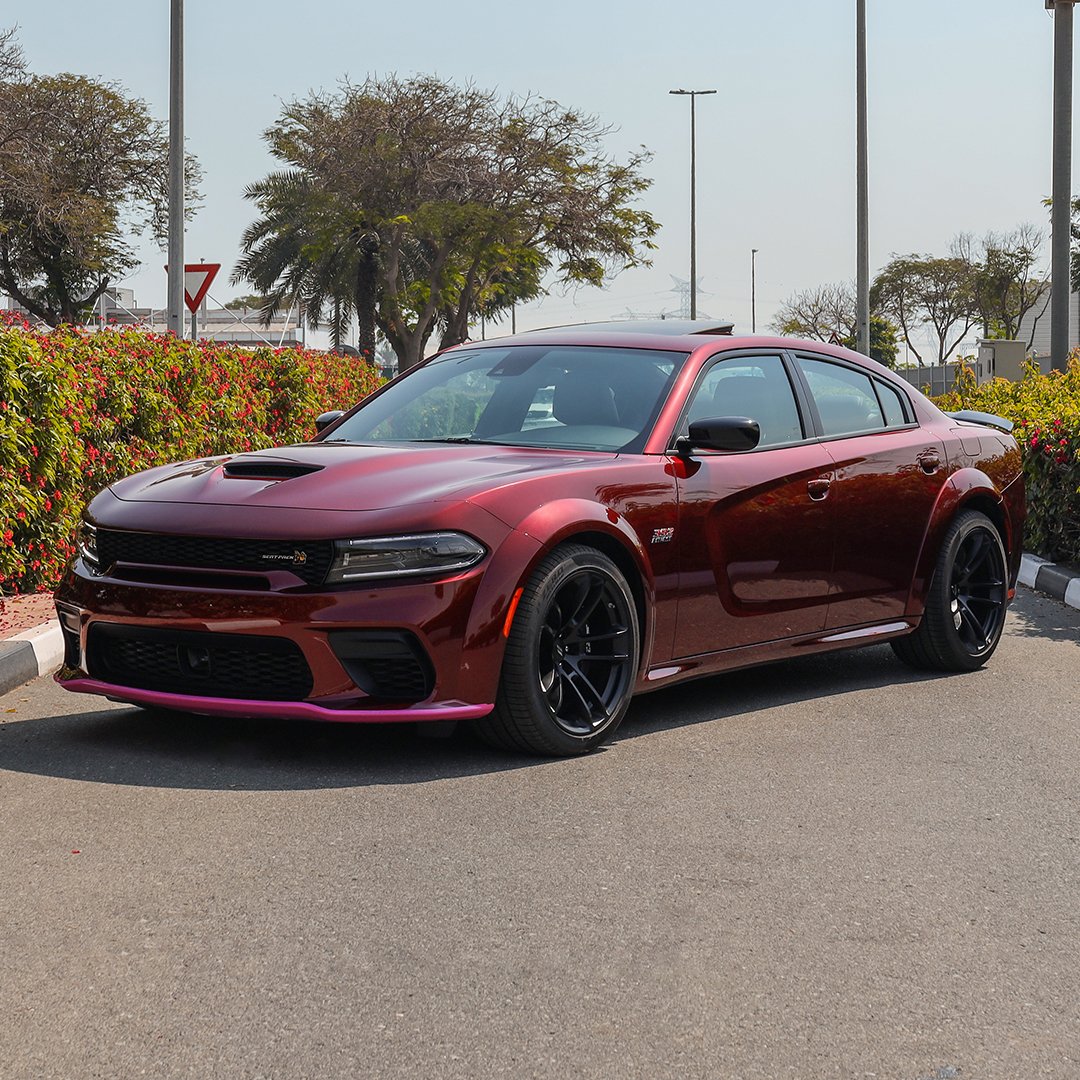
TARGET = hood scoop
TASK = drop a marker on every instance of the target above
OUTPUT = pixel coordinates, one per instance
(254, 469)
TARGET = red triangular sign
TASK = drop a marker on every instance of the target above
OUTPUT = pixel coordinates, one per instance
(197, 279)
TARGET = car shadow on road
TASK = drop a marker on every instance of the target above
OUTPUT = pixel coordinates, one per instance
(805, 679)
(127, 746)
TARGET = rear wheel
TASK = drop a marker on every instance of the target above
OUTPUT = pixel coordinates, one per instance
(965, 609)
(571, 657)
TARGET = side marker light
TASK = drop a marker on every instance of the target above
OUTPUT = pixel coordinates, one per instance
(510, 613)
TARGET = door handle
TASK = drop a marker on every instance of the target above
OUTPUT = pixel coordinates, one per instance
(930, 461)
(819, 488)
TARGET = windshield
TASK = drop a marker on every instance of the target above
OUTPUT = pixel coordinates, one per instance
(566, 397)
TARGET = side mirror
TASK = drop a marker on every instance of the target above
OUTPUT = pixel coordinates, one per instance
(326, 419)
(729, 433)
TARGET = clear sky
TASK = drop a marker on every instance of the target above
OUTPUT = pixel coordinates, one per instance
(960, 115)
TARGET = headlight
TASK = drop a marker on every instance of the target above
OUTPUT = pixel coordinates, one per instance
(88, 545)
(396, 556)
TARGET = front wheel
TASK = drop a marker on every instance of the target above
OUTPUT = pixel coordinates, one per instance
(571, 657)
(965, 608)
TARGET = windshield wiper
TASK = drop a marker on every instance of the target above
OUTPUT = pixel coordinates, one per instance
(453, 439)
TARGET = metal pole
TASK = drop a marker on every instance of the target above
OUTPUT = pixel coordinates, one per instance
(753, 290)
(175, 301)
(692, 94)
(862, 285)
(1062, 184)
(693, 206)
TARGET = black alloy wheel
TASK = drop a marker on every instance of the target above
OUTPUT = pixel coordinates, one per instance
(967, 602)
(571, 657)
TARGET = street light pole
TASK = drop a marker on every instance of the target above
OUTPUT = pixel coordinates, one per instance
(1060, 213)
(753, 290)
(692, 94)
(175, 299)
(862, 275)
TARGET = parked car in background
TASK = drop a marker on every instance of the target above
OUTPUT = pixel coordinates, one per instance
(524, 532)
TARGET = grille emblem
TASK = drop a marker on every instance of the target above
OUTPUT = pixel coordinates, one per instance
(297, 558)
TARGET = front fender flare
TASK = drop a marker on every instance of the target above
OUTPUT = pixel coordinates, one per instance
(538, 533)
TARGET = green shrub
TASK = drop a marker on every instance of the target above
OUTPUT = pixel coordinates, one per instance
(79, 410)
(1046, 411)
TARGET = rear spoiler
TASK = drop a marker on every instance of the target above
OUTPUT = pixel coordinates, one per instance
(984, 418)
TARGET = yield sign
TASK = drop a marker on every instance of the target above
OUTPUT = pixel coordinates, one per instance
(197, 279)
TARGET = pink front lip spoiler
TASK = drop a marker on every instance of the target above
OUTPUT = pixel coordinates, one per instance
(280, 710)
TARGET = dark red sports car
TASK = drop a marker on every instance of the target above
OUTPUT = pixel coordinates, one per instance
(525, 532)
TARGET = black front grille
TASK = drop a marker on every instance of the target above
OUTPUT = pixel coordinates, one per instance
(308, 559)
(387, 664)
(191, 662)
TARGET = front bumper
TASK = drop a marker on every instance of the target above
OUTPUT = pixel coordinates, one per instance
(278, 710)
(456, 621)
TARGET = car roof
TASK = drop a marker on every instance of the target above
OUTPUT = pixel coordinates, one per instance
(680, 334)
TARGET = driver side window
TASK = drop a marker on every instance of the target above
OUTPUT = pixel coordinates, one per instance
(753, 386)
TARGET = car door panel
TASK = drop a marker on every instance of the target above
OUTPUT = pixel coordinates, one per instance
(755, 548)
(884, 491)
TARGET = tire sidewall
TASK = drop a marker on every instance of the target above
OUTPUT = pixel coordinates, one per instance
(941, 597)
(543, 586)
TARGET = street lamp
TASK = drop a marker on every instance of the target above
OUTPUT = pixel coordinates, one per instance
(174, 305)
(1060, 212)
(753, 290)
(692, 94)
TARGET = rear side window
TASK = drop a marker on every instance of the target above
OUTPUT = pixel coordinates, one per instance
(845, 398)
(895, 413)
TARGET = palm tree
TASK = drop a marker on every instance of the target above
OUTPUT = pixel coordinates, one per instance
(307, 248)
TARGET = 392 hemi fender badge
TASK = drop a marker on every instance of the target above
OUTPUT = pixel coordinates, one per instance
(663, 536)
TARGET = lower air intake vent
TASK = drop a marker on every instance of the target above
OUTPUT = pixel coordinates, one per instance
(204, 665)
(386, 664)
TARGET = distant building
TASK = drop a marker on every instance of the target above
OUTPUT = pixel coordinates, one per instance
(243, 327)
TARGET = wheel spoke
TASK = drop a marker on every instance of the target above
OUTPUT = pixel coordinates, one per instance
(574, 674)
(973, 551)
(590, 600)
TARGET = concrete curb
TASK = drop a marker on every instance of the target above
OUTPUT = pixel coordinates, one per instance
(28, 655)
(1057, 581)
(40, 651)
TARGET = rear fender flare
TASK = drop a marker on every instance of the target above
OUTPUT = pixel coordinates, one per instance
(961, 488)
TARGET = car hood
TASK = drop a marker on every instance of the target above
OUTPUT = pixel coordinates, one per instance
(345, 476)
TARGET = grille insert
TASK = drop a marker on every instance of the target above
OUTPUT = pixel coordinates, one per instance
(308, 559)
(191, 662)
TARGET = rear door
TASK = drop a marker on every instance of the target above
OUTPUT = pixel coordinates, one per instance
(755, 529)
(887, 474)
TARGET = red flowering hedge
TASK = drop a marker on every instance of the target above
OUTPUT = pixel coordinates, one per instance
(79, 410)
(1046, 411)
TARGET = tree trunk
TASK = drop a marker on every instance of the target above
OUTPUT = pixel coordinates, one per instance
(367, 291)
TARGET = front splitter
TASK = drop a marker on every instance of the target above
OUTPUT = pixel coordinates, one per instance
(279, 710)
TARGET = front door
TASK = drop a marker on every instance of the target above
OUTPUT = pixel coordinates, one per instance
(755, 529)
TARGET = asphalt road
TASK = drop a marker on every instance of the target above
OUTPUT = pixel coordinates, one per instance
(828, 868)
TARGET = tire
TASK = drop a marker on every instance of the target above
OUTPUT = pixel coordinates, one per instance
(965, 608)
(571, 658)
